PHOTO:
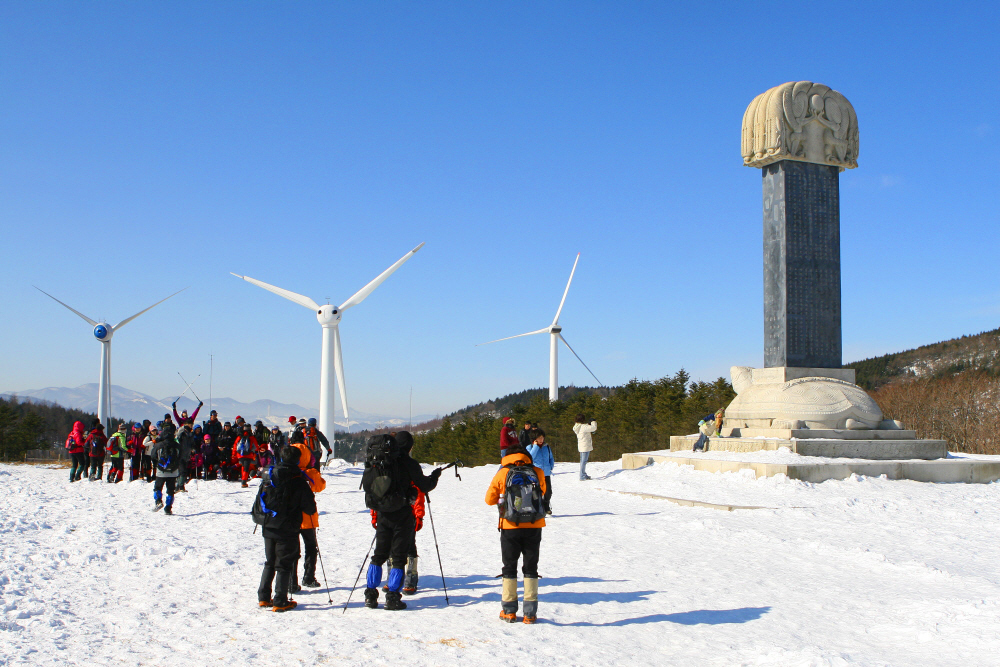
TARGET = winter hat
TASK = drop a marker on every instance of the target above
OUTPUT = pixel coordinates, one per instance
(405, 441)
(508, 420)
(213, 412)
(99, 427)
(312, 421)
(302, 422)
(166, 417)
(291, 420)
(227, 424)
(208, 438)
(137, 426)
(275, 428)
(121, 427)
(238, 418)
(258, 423)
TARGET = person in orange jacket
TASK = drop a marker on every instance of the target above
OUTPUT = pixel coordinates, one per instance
(405, 442)
(245, 453)
(518, 539)
(310, 522)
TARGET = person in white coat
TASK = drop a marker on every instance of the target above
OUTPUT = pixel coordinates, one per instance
(584, 442)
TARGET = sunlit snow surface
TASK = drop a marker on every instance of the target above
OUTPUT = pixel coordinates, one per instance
(863, 571)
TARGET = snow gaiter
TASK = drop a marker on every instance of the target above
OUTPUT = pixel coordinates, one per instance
(509, 596)
(395, 579)
(410, 581)
(530, 597)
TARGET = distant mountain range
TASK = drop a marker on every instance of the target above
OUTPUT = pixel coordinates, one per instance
(134, 405)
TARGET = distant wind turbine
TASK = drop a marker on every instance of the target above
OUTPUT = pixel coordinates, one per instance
(555, 335)
(104, 332)
(332, 360)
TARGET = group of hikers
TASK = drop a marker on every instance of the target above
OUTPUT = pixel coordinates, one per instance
(394, 484)
(209, 450)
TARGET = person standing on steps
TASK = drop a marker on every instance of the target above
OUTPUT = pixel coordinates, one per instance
(166, 456)
(74, 447)
(541, 456)
(310, 522)
(584, 442)
(183, 418)
(291, 500)
(508, 438)
(387, 481)
(518, 540)
(96, 443)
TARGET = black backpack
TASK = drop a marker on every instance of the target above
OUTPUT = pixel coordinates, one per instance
(385, 491)
(169, 456)
(270, 506)
(522, 495)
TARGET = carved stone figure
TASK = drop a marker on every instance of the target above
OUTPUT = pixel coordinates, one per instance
(805, 402)
(802, 121)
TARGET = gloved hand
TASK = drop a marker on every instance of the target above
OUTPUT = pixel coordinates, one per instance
(201, 403)
(436, 474)
(174, 404)
(419, 524)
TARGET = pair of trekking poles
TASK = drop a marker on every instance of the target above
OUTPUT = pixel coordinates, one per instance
(427, 497)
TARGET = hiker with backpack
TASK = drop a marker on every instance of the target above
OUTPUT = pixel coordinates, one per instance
(117, 448)
(282, 500)
(541, 456)
(315, 437)
(245, 454)
(411, 576)
(166, 456)
(186, 441)
(310, 522)
(95, 446)
(74, 446)
(135, 451)
(517, 489)
(388, 481)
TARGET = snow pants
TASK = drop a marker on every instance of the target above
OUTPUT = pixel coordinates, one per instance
(394, 537)
(96, 467)
(311, 551)
(78, 467)
(246, 466)
(547, 498)
(279, 559)
(116, 470)
(518, 543)
(171, 483)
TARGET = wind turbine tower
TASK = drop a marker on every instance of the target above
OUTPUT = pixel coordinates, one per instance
(104, 332)
(331, 361)
(555, 335)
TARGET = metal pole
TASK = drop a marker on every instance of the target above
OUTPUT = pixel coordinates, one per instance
(211, 363)
(359, 573)
(427, 497)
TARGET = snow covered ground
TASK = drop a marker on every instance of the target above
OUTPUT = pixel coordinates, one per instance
(863, 571)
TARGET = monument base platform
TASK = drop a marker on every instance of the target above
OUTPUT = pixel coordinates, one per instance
(953, 470)
(872, 445)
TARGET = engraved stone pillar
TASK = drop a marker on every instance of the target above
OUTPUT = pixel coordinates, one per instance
(802, 135)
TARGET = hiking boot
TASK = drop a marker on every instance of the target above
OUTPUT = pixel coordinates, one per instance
(393, 602)
(294, 588)
(409, 590)
(311, 583)
(244, 485)
(265, 603)
(508, 617)
(529, 620)
(158, 506)
(182, 490)
(371, 598)
(168, 509)
(291, 604)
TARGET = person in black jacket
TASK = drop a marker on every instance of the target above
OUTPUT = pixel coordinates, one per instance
(224, 443)
(281, 539)
(395, 527)
(527, 435)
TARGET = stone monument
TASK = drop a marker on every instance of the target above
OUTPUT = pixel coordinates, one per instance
(802, 135)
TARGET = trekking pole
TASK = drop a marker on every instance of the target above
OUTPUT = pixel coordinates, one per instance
(187, 383)
(359, 574)
(427, 497)
(323, 569)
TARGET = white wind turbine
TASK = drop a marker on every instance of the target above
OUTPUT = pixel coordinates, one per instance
(332, 361)
(555, 335)
(104, 332)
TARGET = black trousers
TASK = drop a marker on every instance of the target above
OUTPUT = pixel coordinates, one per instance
(394, 536)
(547, 498)
(97, 466)
(516, 543)
(79, 466)
(279, 559)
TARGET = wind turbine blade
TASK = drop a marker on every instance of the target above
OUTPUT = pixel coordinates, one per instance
(580, 360)
(338, 365)
(291, 296)
(129, 319)
(568, 283)
(88, 320)
(530, 333)
(363, 293)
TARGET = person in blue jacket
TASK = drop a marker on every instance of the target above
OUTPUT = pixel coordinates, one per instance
(541, 455)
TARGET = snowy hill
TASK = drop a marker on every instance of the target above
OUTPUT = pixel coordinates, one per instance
(129, 404)
(863, 571)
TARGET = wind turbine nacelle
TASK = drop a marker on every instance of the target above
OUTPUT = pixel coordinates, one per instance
(329, 315)
(103, 332)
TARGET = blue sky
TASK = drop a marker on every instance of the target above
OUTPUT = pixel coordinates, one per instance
(148, 147)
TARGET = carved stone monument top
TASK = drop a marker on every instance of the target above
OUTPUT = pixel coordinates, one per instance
(800, 120)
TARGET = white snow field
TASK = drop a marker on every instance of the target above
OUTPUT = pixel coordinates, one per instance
(863, 571)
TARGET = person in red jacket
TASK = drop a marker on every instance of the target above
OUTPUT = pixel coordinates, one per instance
(74, 446)
(245, 453)
(96, 444)
(508, 436)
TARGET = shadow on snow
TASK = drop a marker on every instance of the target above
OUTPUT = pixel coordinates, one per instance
(697, 617)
